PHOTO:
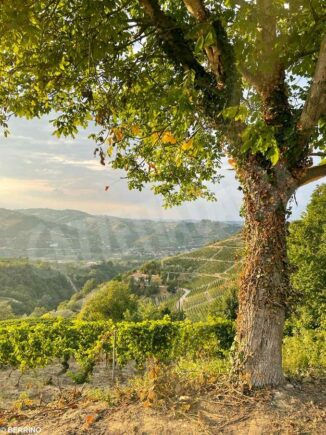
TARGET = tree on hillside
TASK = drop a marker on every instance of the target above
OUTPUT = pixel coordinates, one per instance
(174, 86)
(6, 311)
(111, 301)
(307, 252)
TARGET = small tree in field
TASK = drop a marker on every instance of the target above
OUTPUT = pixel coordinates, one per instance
(174, 86)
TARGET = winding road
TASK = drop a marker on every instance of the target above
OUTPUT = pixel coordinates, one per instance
(180, 301)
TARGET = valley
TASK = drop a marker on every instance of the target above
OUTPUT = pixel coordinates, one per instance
(49, 277)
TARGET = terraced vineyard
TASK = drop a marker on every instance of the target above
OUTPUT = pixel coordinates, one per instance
(206, 272)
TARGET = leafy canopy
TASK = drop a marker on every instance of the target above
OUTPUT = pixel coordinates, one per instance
(307, 252)
(112, 301)
(159, 86)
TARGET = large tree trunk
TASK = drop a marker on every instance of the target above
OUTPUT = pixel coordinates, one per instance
(265, 279)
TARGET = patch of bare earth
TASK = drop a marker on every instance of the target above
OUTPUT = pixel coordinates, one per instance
(298, 409)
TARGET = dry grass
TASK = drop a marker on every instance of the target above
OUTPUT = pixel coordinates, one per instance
(170, 400)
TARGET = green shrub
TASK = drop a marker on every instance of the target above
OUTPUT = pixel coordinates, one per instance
(304, 354)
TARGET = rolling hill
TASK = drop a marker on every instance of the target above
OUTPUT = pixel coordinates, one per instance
(26, 284)
(70, 235)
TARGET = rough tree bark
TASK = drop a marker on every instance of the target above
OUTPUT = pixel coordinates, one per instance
(265, 278)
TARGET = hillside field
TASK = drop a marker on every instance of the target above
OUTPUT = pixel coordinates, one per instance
(203, 275)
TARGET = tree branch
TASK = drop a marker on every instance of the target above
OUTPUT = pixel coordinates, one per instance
(180, 52)
(255, 80)
(174, 43)
(219, 52)
(197, 9)
(318, 154)
(301, 54)
(315, 105)
(268, 23)
(312, 174)
(313, 12)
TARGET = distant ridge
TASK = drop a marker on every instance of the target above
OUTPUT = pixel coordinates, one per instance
(69, 235)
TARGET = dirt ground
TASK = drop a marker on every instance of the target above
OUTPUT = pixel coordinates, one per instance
(293, 409)
(43, 385)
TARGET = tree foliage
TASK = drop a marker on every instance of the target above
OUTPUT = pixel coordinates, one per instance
(171, 86)
(6, 311)
(112, 301)
(27, 285)
(307, 252)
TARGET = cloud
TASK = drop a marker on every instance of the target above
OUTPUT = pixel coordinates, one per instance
(39, 170)
(9, 186)
(92, 165)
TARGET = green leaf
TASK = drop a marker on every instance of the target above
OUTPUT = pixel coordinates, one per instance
(210, 39)
(274, 155)
(199, 44)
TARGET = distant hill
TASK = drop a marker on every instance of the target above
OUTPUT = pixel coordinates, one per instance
(26, 284)
(70, 235)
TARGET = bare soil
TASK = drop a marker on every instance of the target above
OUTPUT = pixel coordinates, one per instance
(293, 409)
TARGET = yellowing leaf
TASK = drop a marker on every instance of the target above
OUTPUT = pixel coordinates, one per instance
(231, 162)
(110, 150)
(274, 155)
(168, 138)
(135, 130)
(152, 395)
(187, 144)
(186, 406)
(178, 160)
(110, 140)
(154, 137)
(118, 134)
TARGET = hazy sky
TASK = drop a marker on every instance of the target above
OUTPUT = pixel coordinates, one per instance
(39, 170)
